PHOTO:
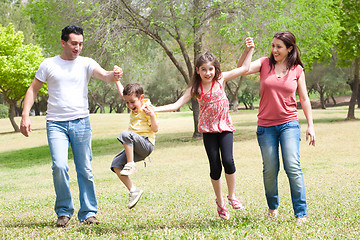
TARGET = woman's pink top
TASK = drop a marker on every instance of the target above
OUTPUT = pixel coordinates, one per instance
(214, 114)
(277, 95)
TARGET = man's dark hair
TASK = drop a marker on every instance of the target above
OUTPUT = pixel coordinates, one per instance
(70, 29)
(133, 88)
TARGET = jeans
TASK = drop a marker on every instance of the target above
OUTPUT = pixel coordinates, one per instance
(78, 133)
(288, 135)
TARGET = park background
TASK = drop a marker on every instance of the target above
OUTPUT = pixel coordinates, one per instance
(155, 43)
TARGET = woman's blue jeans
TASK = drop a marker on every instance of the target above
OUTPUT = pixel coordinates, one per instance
(78, 133)
(288, 135)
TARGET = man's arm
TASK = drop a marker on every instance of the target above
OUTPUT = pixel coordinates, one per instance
(108, 76)
(25, 124)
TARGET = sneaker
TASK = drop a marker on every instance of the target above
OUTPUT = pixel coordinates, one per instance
(272, 213)
(91, 220)
(134, 197)
(128, 169)
(62, 221)
(300, 221)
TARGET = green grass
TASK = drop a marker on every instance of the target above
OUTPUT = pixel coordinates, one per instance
(178, 202)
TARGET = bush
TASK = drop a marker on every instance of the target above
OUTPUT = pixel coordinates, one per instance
(4, 111)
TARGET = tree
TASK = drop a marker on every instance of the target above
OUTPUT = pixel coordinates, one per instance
(327, 80)
(313, 22)
(12, 12)
(349, 45)
(18, 65)
(177, 26)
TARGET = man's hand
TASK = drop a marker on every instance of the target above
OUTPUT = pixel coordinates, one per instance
(25, 126)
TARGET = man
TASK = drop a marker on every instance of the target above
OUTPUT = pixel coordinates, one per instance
(67, 76)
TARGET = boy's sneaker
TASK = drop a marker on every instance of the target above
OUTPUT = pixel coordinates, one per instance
(134, 197)
(128, 169)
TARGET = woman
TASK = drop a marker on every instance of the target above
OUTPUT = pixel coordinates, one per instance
(281, 75)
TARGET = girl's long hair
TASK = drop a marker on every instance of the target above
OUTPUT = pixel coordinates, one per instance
(293, 57)
(206, 57)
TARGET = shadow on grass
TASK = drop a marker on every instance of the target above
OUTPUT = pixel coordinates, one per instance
(30, 225)
(28, 157)
(13, 132)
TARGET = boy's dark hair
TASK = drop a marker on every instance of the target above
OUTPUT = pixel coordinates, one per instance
(133, 88)
(70, 29)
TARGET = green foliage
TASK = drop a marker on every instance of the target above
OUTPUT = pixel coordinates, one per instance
(313, 22)
(50, 17)
(12, 12)
(250, 91)
(18, 63)
(4, 111)
(349, 44)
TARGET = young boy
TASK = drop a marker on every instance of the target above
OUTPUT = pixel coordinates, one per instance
(138, 141)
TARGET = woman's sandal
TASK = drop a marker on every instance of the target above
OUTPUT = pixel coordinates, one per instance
(236, 204)
(222, 211)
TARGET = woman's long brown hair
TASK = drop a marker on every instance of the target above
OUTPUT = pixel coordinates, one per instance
(293, 57)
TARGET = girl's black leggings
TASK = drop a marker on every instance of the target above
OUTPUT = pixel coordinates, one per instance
(214, 144)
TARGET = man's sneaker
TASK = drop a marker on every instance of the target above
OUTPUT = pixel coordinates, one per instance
(300, 221)
(272, 213)
(62, 221)
(128, 169)
(134, 197)
(91, 220)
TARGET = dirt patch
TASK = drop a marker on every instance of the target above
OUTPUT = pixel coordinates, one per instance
(340, 101)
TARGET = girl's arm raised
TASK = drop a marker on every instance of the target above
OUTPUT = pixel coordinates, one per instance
(246, 60)
(178, 104)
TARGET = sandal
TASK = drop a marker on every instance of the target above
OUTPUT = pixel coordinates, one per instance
(236, 204)
(222, 211)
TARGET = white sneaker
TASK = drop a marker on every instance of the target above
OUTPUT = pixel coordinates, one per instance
(134, 197)
(272, 213)
(128, 169)
(300, 221)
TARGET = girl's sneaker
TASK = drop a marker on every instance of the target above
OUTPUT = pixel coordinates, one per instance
(236, 204)
(222, 211)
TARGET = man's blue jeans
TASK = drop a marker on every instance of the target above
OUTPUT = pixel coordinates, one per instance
(78, 133)
(288, 135)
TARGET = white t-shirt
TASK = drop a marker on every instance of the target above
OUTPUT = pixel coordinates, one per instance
(67, 83)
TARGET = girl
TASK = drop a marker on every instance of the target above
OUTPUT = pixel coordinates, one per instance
(281, 75)
(207, 86)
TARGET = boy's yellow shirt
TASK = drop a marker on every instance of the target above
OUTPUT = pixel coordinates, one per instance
(140, 123)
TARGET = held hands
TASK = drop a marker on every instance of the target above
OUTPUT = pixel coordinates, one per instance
(310, 135)
(148, 109)
(118, 72)
(249, 43)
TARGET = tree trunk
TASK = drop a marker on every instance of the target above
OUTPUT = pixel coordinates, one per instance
(197, 50)
(358, 96)
(12, 105)
(235, 103)
(354, 95)
(322, 100)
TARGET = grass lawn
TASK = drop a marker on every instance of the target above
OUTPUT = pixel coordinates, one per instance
(178, 201)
